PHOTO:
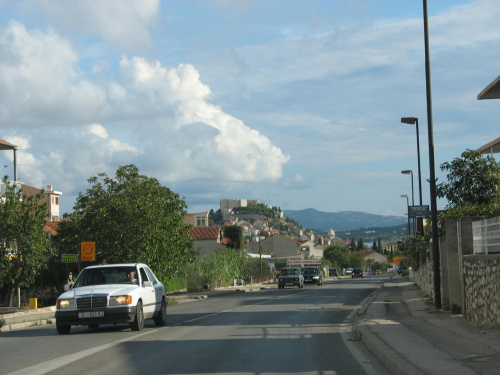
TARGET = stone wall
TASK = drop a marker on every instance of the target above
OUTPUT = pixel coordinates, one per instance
(481, 288)
(424, 278)
(481, 285)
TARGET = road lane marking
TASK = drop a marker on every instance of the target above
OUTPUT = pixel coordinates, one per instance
(54, 364)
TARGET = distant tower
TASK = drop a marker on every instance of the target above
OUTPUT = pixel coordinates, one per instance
(331, 233)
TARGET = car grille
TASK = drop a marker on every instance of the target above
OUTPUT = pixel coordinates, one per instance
(91, 302)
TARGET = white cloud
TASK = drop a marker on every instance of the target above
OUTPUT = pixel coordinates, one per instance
(39, 81)
(124, 23)
(206, 141)
(157, 115)
(97, 129)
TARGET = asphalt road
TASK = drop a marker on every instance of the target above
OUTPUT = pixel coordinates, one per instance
(290, 331)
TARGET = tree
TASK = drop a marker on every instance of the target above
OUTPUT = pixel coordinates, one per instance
(131, 218)
(374, 246)
(356, 260)
(415, 251)
(360, 245)
(352, 245)
(235, 235)
(337, 254)
(471, 180)
(23, 242)
(215, 217)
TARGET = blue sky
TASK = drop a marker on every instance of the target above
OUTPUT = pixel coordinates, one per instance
(295, 103)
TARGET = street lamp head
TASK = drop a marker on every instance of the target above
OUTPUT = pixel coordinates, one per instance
(408, 171)
(404, 195)
(409, 120)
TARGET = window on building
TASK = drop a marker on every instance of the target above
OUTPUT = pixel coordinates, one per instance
(55, 200)
(201, 221)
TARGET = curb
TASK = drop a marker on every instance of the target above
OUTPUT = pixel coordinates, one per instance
(32, 323)
(391, 360)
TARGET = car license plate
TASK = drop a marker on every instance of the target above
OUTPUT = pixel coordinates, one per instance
(289, 284)
(91, 314)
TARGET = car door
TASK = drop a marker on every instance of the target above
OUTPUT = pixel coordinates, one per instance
(159, 288)
(147, 293)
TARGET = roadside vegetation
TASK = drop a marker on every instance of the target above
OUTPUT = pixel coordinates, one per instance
(131, 218)
(472, 189)
(24, 245)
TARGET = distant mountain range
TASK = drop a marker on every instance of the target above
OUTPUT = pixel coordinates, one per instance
(342, 221)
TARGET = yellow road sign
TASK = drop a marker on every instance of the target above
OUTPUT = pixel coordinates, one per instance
(87, 251)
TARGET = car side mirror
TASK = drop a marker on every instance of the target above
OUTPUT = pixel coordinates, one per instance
(147, 283)
(67, 287)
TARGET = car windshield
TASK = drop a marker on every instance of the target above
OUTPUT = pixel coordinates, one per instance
(104, 275)
(289, 271)
(310, 270)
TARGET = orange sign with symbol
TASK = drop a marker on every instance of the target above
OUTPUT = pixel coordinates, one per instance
(87, 251)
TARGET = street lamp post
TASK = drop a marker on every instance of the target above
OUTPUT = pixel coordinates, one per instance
(433, 194)
(410, 172)
(411, 121)
(407, 210)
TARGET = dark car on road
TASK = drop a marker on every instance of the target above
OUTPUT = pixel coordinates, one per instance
(333, 272)
(290, 276)
(312, 275)
(357, 272)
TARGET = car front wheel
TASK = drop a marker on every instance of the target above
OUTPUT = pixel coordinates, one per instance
(138, 322)
(63, 330)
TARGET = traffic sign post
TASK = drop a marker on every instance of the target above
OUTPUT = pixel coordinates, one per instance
(418, 211)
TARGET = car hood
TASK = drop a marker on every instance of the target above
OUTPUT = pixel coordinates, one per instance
(107, 289)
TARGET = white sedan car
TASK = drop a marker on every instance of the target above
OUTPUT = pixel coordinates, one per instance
(111, 294)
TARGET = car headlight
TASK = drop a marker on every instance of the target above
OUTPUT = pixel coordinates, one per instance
(66, 304)
(120, 300)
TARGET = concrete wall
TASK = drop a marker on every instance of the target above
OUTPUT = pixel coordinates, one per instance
(469, 283)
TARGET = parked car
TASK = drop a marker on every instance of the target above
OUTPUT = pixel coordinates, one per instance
(290, 276)
(111, 294)
(313, 275)
(333, 272)
(379, 272)
(401, 269)
(357, 272)
(348, 271)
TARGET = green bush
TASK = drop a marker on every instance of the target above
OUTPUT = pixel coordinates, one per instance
(176, 284)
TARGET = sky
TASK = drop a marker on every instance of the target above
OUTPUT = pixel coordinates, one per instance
(296, 103)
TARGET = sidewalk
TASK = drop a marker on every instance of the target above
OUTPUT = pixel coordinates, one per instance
(403, 330)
